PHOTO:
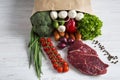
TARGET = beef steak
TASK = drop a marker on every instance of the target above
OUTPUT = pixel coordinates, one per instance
(85, 59)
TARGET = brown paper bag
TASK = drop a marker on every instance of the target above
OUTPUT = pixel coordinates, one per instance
(78, 5)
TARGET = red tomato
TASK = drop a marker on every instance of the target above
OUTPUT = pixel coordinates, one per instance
(44, 44)
(58, 56)
(50, 44)
(65, 68)
(55, 66)
(53, 61)
(42, 39)
(48, 39)
(53, 48)
(60, 69)
(65, 64)
(55, 52)
(61, 60)
(46, 50)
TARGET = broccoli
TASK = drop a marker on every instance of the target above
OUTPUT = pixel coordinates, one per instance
(41, 23)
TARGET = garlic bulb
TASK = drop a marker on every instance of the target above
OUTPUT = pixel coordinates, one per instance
(79, 16)
(72, 14)
(61, 28)
(53, 15)
(62, 14)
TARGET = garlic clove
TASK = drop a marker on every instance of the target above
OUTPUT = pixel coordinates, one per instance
(61, 28)
(62, 14)
(72, 14)
(54, 15)
(79, 16)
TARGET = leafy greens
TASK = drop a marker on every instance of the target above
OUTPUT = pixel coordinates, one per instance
(89, 26)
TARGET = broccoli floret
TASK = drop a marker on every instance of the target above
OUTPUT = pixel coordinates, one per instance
(41, 23)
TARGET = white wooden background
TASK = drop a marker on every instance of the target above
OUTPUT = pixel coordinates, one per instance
(14, 35)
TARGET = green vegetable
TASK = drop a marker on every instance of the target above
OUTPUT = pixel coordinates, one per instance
(55, 24)
(61, 22)
(42, 23)
(41, 27)
(35, 53)
(89, 27)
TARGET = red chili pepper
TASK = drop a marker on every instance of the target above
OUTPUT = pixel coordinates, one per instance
(70, 26)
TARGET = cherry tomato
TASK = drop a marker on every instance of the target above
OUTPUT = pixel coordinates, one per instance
(50, 44)
(55, 66)
(53, 48)
(58, 56)
(65, 68)
(61, 60)
(44, 44)
(55, 52)
(48, 40)
(46, 50)
(65, 64)
(53, 61)
(60, 69)
(42, 39)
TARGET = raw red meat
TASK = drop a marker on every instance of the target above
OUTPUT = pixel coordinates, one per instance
(85, 59)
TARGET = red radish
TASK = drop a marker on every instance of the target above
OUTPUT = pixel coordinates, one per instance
(70, 26)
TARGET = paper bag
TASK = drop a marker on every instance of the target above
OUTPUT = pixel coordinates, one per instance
(78, 5)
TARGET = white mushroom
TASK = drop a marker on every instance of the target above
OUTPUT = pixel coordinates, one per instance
(79, 16)
(62, 14)
(72, 14)
(61, 28)
(53, 15)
